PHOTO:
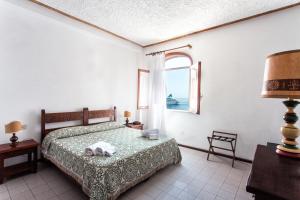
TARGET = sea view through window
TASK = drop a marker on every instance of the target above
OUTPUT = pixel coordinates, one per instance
(177, 89)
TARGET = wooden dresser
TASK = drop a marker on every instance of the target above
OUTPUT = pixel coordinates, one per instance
(274, 177)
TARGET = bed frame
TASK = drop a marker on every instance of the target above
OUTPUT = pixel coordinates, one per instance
(83, 116)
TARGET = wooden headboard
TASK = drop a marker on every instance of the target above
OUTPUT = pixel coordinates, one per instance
(83, 116)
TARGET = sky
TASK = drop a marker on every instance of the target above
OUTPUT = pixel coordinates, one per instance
(177, 83)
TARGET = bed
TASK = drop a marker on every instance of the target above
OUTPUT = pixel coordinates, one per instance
(104, 178)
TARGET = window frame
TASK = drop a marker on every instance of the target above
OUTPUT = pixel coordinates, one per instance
(178, 54)
(182, 54)
(173, 55)
(140, 71)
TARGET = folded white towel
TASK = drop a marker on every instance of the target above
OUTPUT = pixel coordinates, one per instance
(105, 149)
(152, 132)
(91, 150)
(100, 148)
(153, 136)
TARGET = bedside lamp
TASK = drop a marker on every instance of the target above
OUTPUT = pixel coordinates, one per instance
(12, 128)
(127, 114)
(282, 80)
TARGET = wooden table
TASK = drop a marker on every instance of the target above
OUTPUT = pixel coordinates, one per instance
(274, 177)
(24, 147)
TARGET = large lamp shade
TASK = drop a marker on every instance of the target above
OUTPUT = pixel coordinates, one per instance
(127, 114)
(282, 75)
(13, 127)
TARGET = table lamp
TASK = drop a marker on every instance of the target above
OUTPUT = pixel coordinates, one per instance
(127, 114)
(12, 128)
(282, 80)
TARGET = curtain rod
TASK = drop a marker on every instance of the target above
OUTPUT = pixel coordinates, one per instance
(157, 52)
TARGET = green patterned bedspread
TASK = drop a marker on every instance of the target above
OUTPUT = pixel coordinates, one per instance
(103, 178)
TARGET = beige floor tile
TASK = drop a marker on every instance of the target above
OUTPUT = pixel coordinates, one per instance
(40, 189)
(34, 180)
(204, 195)
(3, 188)
(4, 195)
(174, 191)
(45, 195)
(165, 196)
(18, 189)
(71, 195)
(186, 196)
(226, 195)
(15, 183)
(243, 195)
(143, 197)
(229, 188)
(153, 192)
(194, 191)
(26, 195)
(211, 188)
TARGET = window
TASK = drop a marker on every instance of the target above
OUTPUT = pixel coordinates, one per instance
(143, 89)
(178, 81)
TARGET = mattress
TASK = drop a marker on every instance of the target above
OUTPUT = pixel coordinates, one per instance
(102, 178)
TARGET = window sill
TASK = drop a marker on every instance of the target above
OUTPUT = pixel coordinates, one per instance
(182, 111)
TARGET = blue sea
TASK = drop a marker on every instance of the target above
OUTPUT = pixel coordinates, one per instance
(182, 105)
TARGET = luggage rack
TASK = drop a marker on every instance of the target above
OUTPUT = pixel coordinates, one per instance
(223, 137)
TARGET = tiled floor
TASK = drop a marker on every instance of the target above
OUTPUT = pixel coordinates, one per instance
(194, 179)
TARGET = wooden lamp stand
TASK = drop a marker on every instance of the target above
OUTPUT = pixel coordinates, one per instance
(14, 140)
(290, 132)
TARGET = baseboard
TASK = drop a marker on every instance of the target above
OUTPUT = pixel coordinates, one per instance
(216, 153)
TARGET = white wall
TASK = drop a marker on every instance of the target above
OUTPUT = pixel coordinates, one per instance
(232, 65)
(49, 61)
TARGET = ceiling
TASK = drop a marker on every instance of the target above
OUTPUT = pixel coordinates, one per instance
(150, 21)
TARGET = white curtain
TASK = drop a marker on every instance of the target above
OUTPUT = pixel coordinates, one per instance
(157, 92)
(194, 89)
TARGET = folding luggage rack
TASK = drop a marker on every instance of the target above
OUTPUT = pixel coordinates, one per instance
(223, 137)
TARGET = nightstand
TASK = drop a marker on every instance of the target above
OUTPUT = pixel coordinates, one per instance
(24, 147)
(136, 126)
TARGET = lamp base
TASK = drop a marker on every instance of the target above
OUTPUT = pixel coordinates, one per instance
(289, 148)
(290, 132)
(286, 153)
(14, 140)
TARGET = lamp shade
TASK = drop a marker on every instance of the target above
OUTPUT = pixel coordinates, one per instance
(13, 127)
(282, 75)
(127, 114)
